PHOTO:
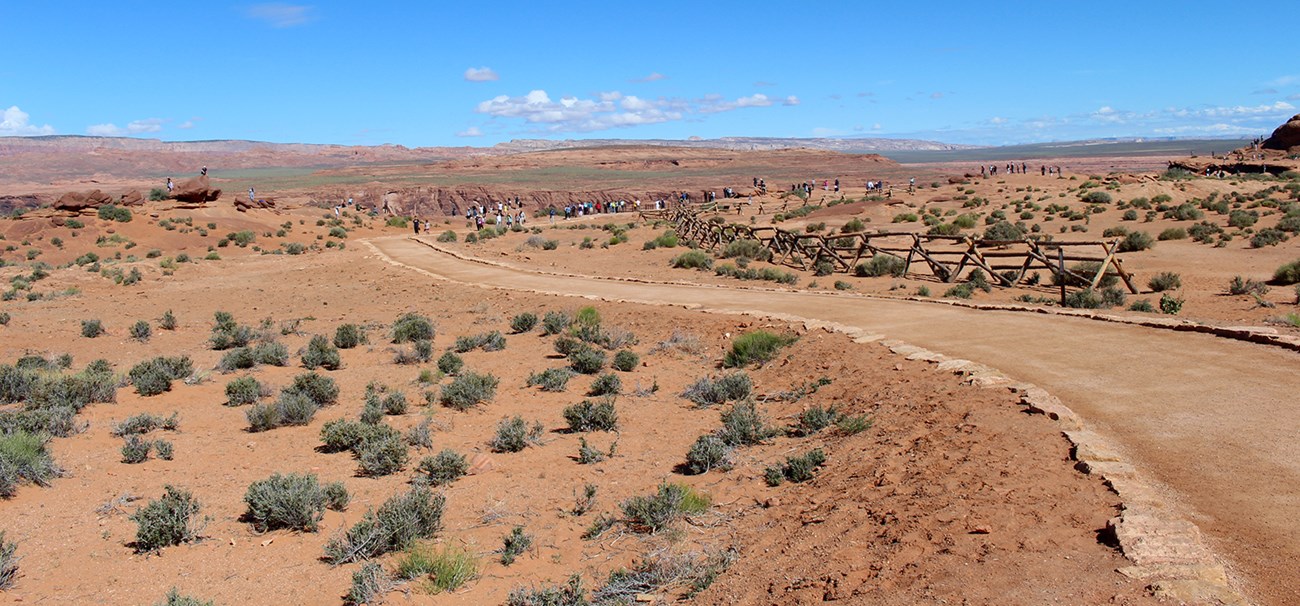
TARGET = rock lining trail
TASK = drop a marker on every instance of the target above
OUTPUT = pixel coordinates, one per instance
(1211, 420)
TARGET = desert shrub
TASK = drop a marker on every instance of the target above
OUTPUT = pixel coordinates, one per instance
(707, 453)
(1096, 197)
(1083, 299)
(694, 259)
(755, 347)
(399, 522)
(488, 341)
(1246, 286)
(1241, 219)
(164, 449)
(321, 353)
(801, 468)
(175, 598)
(292, 501)
(1165, 281)
(853, 424)
(443, 468)
(155, 376)
(514, 435)
(450, 364)
(237, 359)
(1130, 215)
(671, 502)
(881, 265)
(167, 321)
(141, 331)
(606, 384)
(592, 416)
(348, 336)
(747, 249)
(1170, 305)
(448, 568)
(4, 318)
(523, 322)
(742, 425)
(554, 322)
(342, 434)
(1267, 237)
(1136, 241)
(551, 379)
(468, 390)
(394, 403)
(569, 594)
(1184, 212)
(113, 212)
(370, 582)
(169, 520)
(706, 391)
(24, 457)
(227, 334)
(1288, 273)
(412, 327)
(1142, 305)
(625, 360)
(815, 419)
(587, 360)
(421, 351)
(1173, 233)
(1004, 230)
(320, 389)
(382, 453)
(144, 423)
(91, 328)
(515, 544)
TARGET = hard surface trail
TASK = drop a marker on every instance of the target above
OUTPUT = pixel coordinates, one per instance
(1214, 420)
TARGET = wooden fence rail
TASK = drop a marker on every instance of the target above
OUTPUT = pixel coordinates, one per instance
(948, 258)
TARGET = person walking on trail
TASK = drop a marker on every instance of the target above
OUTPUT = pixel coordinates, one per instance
(169, 186)
(416, 224)
(252, 197)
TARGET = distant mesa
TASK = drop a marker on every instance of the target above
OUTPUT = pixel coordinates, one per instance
(1286, 136)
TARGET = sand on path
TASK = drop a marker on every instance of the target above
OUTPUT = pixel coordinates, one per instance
(1211, 419)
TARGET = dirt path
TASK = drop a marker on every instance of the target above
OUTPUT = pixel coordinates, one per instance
(1212, 419)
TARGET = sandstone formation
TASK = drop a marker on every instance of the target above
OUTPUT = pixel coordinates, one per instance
(75, 201)
(196, 191)
(1286, 137)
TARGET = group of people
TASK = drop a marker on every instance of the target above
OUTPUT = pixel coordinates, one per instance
(1023, 168)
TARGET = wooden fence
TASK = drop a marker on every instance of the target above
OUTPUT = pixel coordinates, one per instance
(948, 258)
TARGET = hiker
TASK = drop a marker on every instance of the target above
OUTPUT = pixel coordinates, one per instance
(203, 172)
(169, 186)
(251, 196)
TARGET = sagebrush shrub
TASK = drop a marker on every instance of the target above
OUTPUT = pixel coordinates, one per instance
(606, 384)
(169, 520)
(293, 501)
(707, 453)
(625, 360)
(320, 353)
(693, 259)
(450, 364)
(555, 322)
(515, 544)
(1165, 281)
(551, 379)
(514, 435)
(348, 336)
(881, 265)
(91, 328)
(587, 360)
(443, 468)
(155, 376)
(245, 390)
(1288, 273)
(1246, 286)
(592, 416)
(412, 327)
(670, 503)
(755, 347)
(398, 523)
(468, 390)
(318, 388)
(25, 457)
(706, 391)
(227, 334)
(523, 322)
(383, 454)
(141, 331)
(369, 584)
(743, 425)
(8, 562)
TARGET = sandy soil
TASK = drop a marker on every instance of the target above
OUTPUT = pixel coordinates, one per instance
(967, 498)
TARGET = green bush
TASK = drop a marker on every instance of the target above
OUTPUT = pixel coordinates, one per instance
(227, 334)
(523, 322)
(421, 351)
(169, 520)
(707, 392)
(747, 249)
(1170, 305)
(514, 435)
(803, 468)
(488, 341)
(1135, 241)
(1096, 197)
(399, 522)
(551, 379)
(155, 376)
(694, 259)
(1267, 237)
(144, 423)
(320, 389)
(91, 328)
(514, 545)
(1246, 286)
(626, 360)
(1083, 299)
(707, 453)
(24, 457)
(1288, 273)
(141, 331)
(468, 390)
(1165, 281)
(1173, 233)
(370, 582)
(412, 327)
(112, 212)
(447, 236)
(348, 336)
(592, 416)
(669, 504)
(881, 265)
(447, 568)
(450, 364)
(1142, 305)
(293, 501)
(742, 425)
(755, 347)
(555, 322)
(167, 321)
(320, 353)
(382, 453)
(587, 360)
(444, 468)
(606, 384)
(815, 419)
(1004, 231)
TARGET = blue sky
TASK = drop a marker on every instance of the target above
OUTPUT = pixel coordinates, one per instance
(478, 73)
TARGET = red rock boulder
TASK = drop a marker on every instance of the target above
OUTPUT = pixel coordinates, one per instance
(1286, 136)
(132, 198)
(75, 201)
(196, 191)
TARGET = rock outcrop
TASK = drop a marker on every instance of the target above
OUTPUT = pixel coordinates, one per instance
(75, 201)
(1286, 137)
(196, 191)
(132, 198)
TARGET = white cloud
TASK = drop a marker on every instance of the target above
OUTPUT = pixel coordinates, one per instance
(936, 95)
(875, 126)
(481, 74)
(610, 109)
(1241, 110)
(997, 120)
(472, 131)
(15, 124)
(1207, 129)
(281, 15)
(135, 127)
(791, 100)
(188, 124)
(653, 77)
